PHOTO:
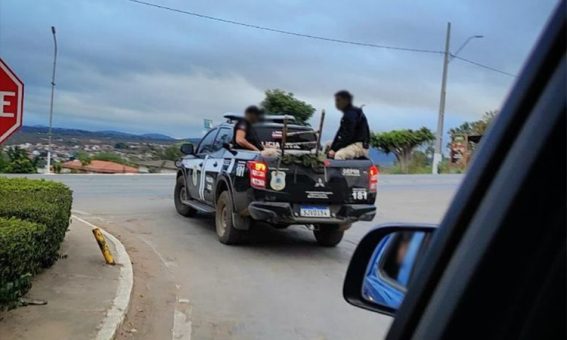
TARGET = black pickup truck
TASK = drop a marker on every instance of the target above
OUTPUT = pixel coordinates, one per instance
(241, 187)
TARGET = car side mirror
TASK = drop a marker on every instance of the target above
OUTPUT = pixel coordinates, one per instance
(187, 149)
(383, 265)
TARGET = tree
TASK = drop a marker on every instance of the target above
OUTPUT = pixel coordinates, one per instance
(280, 102)
(83, 157)
(18, 162)
(477, 127)
(171, 153)
(57, 167)
(402, 143)
(3, 161)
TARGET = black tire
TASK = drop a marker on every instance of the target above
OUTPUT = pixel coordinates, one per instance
(224, 224)
(180, 194)
(328, 235)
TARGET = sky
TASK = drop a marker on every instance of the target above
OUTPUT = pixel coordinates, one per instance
(133, 68)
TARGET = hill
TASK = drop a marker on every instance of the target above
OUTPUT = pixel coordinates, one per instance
(39, 134)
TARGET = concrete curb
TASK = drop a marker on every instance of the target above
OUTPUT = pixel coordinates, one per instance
(117, 312)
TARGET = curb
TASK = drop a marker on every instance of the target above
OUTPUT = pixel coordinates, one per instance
(117, 312)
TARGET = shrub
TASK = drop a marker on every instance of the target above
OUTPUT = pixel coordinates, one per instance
(34, 216)
(44, 202)
(17, 162)
(21, 249)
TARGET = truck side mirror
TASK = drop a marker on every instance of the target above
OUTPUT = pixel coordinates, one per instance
(187, 149)
(383, 265)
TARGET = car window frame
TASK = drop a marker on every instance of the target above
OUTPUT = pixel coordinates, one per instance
(212, 131)
(215, 148)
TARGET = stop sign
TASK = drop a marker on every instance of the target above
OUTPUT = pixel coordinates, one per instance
(11, 102)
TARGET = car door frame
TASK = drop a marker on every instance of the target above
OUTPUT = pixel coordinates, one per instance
(421, 312)
(195, 167)
(212, 167)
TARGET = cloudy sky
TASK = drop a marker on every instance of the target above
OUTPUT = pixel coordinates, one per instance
(134, 68)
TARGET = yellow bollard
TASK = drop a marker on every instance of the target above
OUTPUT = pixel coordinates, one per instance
(103, 246)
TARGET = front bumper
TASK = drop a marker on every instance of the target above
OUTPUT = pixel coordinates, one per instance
(287, 213)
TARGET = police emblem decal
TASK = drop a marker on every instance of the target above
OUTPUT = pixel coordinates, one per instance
(278, 180)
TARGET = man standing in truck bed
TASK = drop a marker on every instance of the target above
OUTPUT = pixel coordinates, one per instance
(353, 137)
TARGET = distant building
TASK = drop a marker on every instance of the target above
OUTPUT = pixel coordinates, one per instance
(100, 167)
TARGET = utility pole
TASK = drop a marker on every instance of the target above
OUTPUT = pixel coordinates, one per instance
(439, 136)
(51, 104)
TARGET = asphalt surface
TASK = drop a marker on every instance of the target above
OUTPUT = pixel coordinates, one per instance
(280, 285)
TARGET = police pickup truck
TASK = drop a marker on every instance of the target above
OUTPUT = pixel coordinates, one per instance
(241, 187)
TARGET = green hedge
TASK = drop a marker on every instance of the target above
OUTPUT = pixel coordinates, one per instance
(21, 243)
(41, 201)
(35, 216)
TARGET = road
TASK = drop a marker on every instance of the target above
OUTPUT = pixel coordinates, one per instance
(280, 285)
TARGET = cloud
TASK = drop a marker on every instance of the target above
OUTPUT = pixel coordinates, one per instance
(175, 103)
(129, 67)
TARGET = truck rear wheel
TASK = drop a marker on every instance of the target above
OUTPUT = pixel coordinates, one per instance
(226, 232)
(328, 235)
(179, 195)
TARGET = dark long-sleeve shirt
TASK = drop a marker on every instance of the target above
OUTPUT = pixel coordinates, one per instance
(354, 129)
(251, 135)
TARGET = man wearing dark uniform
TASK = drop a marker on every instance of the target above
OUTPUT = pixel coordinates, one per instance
(353, 137)
(245, 136)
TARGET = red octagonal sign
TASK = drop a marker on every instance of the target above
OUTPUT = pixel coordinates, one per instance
(11, 102)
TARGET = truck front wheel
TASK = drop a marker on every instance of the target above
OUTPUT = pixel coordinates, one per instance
(179, 195)
(328, 235)
(226, 232)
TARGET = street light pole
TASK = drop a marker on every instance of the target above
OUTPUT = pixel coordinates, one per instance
(51, 104)
(441, 117)
(448, 56)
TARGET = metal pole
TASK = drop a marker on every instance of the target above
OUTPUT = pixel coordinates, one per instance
(284, 138)
(51, 104)
(284, 135)
(439, 136)
(319, 133)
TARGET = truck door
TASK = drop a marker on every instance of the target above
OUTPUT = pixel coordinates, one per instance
(195, 166)
(214, 163)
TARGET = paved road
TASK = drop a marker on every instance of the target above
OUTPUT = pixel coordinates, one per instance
(279, 286)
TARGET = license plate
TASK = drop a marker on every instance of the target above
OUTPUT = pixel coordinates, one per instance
(311, 211)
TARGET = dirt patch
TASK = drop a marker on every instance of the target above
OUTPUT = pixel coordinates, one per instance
(150, 315)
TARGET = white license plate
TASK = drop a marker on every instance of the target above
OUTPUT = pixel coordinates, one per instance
(307, 211)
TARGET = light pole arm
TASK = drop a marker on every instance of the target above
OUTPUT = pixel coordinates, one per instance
(453, 55)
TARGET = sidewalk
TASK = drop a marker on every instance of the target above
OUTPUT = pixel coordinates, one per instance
(80, 290)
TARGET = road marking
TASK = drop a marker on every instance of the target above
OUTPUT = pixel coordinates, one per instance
(168, 264)
(182, 320)
(115, 315)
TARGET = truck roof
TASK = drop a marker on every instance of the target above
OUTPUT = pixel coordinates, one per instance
(267, 118)
(268, 121)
